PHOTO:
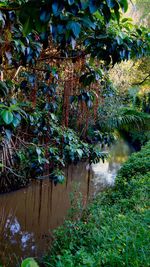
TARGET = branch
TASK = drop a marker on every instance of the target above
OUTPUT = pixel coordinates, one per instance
(17, 72)
(139, 83)
(9, 169)
(9, 8)
(61, 58)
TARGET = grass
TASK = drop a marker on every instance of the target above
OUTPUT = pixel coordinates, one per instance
(114, 230)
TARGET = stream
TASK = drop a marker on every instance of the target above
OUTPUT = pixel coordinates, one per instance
(28, 216)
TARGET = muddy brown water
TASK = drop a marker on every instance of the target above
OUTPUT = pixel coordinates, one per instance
(28, 216)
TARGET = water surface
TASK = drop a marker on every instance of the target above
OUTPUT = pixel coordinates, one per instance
(28, 216)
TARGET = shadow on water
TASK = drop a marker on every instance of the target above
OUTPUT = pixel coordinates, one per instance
(28, 216)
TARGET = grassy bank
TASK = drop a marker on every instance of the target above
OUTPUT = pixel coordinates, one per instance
(114, 229)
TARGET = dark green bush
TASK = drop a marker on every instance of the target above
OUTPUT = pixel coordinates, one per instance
(138, 163)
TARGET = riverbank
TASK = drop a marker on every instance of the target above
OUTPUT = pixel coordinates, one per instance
(113, 230)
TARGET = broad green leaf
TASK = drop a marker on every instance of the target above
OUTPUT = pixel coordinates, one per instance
(44, 16)
(87, 22)
(111, 3)
(80, 152)
(7, 116)
(117, 14)
(106, 12)
(124, 5)
(29, 262)
(92, 7)
(55, 8)
(75, 27)
(27, 27)
(127, 20)
(16, 122)
(3, 5)
(3, 106)
(84, 3)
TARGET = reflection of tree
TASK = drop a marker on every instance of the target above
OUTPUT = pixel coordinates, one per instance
(104, 173)
(13, 241)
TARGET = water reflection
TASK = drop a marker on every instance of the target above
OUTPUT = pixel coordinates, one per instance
(104, 174)
(28, 216)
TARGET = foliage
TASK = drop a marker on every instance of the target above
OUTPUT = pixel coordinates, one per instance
(119, 113)
(143, 10)
(64, 148)
(12, 114)
(29, 262)
(139, 137)
(53, 61)
(123, 113)
(138, 163)
(113, 231)
(30, 26)
(132, 76)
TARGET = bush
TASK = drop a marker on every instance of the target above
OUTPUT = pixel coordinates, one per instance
(138, 163)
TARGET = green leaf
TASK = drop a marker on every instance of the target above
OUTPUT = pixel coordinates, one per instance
(3, 5)
(55, 8)
(40, 159)
(61, 179)
(98, 15)
(29, 262)
(124, 5)
(88, 23)
(70, 2)
(16, 122)
(38, 151)
(84, 3)
(27, 27)
(117, 14)
(80, 152)
(8, 134)
(7, 116)
(75, 27)
(126, 20)
(44, 16)
(111, 3)
(106, 12)
(3, 88)
(53, 117)
(93, 7)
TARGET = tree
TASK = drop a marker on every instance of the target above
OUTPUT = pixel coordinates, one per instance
(53, 58)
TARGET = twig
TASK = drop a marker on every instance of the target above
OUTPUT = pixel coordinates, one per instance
(17, 72)
(20, 176)
(9, 8)
(2, 76)
(139, 83)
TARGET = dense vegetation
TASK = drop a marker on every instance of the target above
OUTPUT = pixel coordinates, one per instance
(54, 85)
(74, 73)
(114, 230)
